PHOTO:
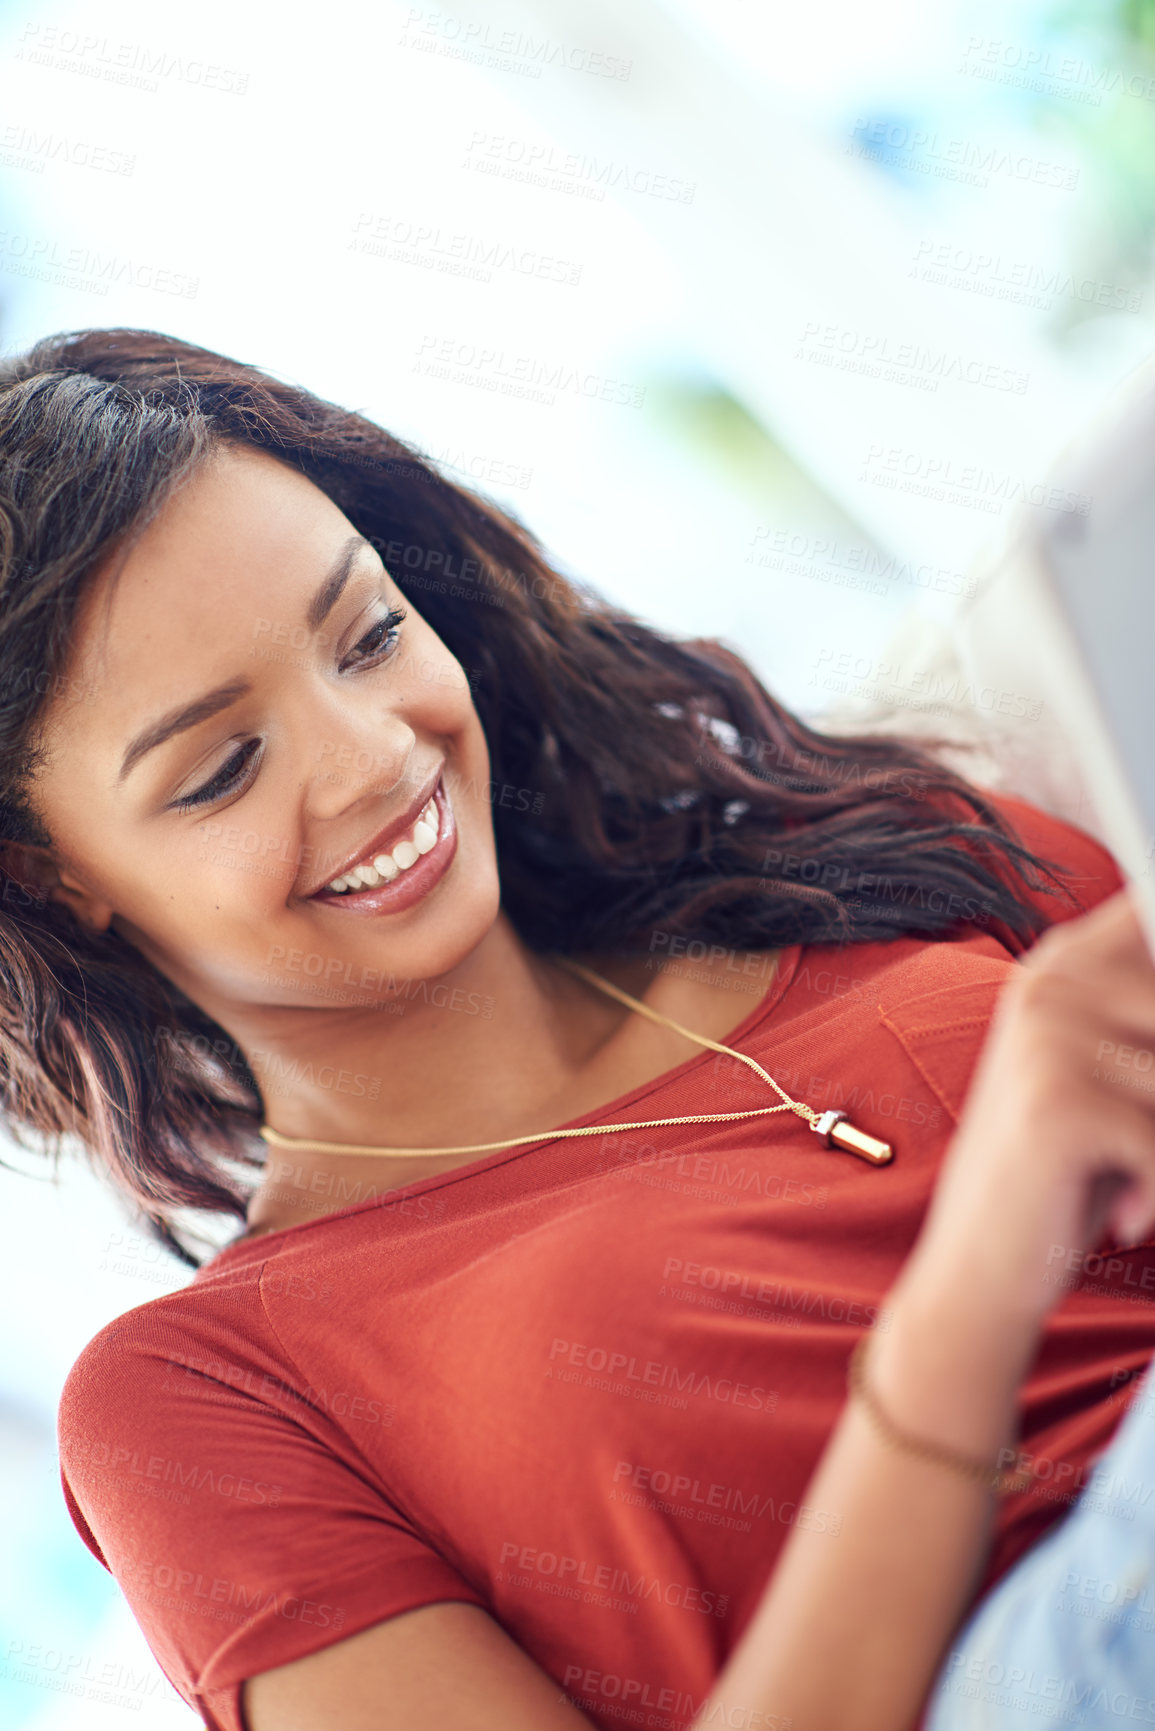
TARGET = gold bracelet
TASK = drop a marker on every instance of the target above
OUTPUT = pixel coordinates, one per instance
(993, 1478)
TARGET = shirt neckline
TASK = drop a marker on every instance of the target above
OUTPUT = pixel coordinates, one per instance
(254, 1248)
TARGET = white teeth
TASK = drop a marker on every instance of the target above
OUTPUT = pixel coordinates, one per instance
(386, 867)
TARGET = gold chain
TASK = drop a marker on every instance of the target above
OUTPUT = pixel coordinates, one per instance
(833, 1125)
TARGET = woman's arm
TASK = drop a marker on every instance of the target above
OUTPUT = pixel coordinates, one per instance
(851, 1629)
(444, 1667)
(853, 1626)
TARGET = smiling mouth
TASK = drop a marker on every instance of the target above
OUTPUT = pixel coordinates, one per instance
(392, 879)
(385, 868)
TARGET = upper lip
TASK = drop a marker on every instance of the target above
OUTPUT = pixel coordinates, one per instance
(384, 839)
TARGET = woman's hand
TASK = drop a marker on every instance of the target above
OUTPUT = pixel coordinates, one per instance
(1055, 1146)
(1056, 1143)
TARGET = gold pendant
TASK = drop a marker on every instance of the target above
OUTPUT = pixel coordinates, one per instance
(841, 1133)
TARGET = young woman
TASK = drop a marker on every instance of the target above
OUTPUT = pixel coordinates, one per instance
(537, 946)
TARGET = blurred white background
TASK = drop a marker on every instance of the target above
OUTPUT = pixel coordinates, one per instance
(762, 316)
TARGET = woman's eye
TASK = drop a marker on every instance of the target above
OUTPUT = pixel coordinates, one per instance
(378, 642)
(380, 639)
(226, 780)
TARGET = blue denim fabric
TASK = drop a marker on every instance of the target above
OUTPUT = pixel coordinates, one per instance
(1068, 1636)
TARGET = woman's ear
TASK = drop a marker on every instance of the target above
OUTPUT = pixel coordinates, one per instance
(36, 874)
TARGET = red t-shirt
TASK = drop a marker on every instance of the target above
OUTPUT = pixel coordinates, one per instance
(583, 1384)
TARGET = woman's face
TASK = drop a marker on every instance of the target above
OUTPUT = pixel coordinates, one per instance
(245, 719)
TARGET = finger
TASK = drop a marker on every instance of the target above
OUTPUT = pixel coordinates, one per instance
(1131, 1220)
(1112, 930)
(1104, 985)
(1121, 1055)
(1119, 1165)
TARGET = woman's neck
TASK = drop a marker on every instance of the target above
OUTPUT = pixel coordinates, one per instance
(504, 1045)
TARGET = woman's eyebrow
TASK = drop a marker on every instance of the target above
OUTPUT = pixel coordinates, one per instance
(179, 721)
(204, 708)
(329, 593)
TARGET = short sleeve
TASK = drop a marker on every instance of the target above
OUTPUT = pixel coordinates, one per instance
(241, 1534)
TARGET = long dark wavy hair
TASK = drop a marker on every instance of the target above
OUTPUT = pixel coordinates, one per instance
(659, 787)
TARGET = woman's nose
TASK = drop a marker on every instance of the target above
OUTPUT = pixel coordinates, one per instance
(361, 763)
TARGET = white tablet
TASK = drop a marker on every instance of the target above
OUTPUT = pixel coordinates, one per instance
(1093, 583)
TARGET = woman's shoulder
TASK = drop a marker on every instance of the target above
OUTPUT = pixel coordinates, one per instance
(1090, 871)
(205, 1338)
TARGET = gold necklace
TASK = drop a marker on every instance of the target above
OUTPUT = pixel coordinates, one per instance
(834, 1126)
